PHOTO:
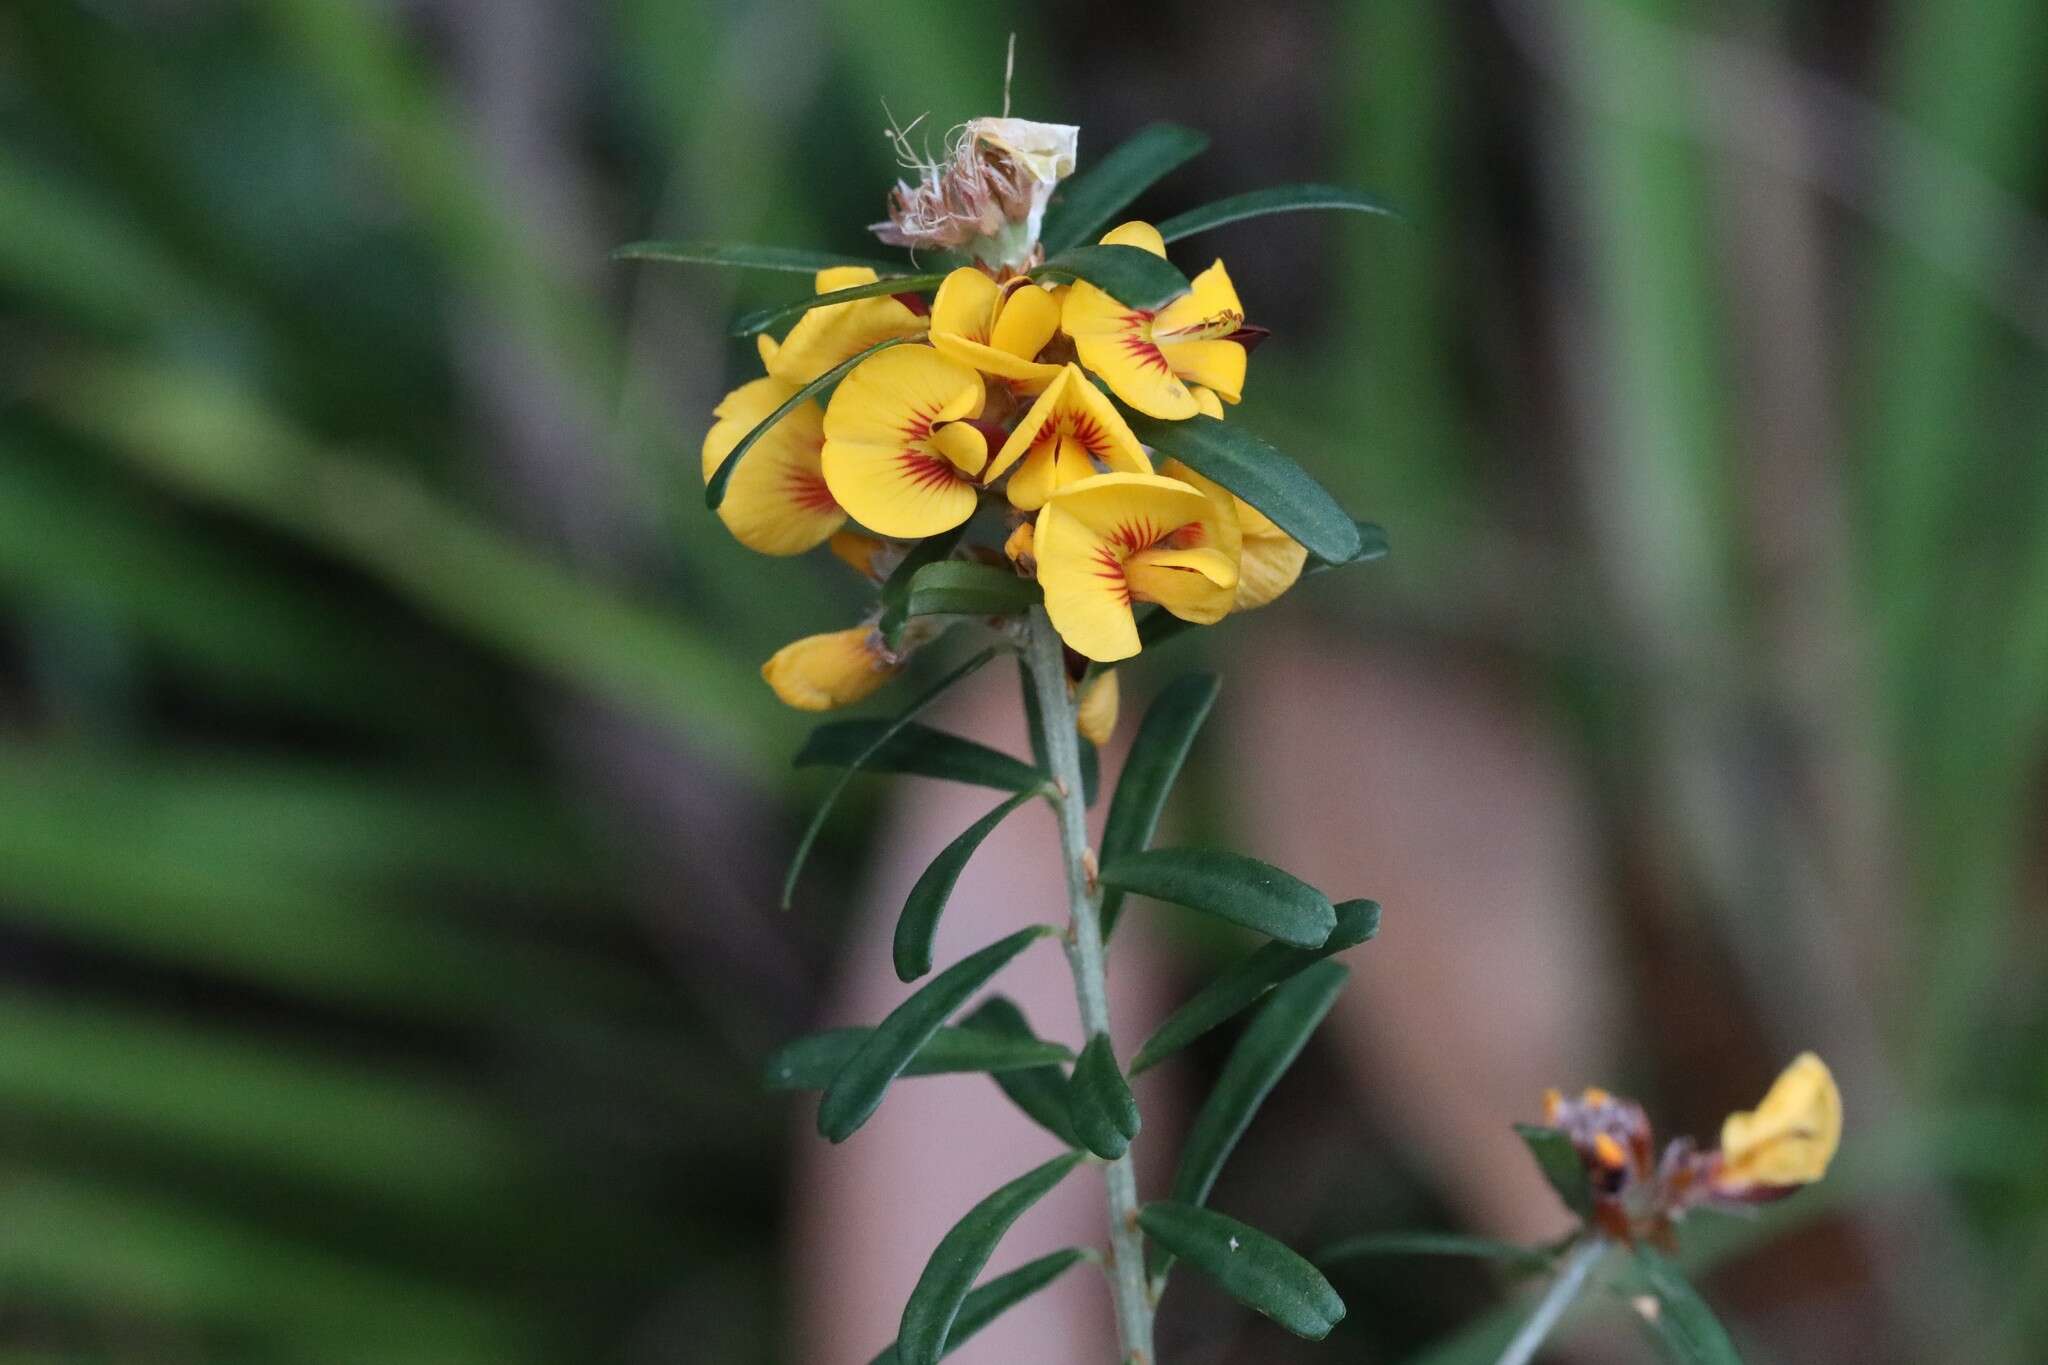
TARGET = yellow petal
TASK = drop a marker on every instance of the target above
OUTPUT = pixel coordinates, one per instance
(1138, 234)
(1025, 320)
(1790, 1138)
(1195, 585)
(965, 306)
(1269, 560)
(820, 672)
(1073, 423)
(766, 346)
(1217, 365)
(1018, 547)
(1208, 402)
(996, 329)
(834, 278)
(889, 457)
(823, 337)
(1210, 308)
(1115, 341)
(776, 501)
(862, 553)
(1089, 531)
(1095, 715)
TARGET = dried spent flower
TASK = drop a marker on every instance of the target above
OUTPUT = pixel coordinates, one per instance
(986, 195)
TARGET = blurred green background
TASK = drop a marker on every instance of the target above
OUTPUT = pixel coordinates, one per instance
(389, 808)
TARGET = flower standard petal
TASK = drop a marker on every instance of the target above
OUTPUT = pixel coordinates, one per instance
(825, 336)
(1115, 341)
(889, 457)
(820, 672)
(776, 502)
(1790, 1137)
(1068, 429)
(996, 328)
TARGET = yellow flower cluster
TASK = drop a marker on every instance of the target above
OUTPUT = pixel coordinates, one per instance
(1003, 397)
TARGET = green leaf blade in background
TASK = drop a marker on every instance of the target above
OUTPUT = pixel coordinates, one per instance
(744, 256)
(1105, 1112)
(958, 587)
(1229, 886)
(1259, 474)
(1254, 1268)
(1040, 1092)
(1683, 1325)
(1511, 1254)
(762, 319)
(895, 595)
(941, 1293)
(1561, 1165)
(857, 1090)
(991, 1300)
(917, 751)
(918, 924)
(814, 1060)
(1276, 199)
(1084, 206)
(1130, 275)
(721, 477)
(1163, 742)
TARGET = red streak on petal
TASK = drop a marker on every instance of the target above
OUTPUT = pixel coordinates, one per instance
(925, 471)
(808, 491)
(1112, 568)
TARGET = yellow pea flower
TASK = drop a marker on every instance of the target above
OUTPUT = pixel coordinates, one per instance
(1095, 715)
(999, 329)
(1149, 358)
(777, 501)
(825, 336)
(898, 455)
(1116, 539)
(820, 672)
(1070, 427)
(1270, 561)
(1019, 549)
(1790, 1138)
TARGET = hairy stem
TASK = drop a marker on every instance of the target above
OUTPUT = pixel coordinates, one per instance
(1046, 661)
(1571, 1278)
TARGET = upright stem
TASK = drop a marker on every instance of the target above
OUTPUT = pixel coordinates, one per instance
(1045, 658)
(1571, 1278)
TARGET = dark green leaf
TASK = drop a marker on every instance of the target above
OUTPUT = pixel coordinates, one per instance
(1085, 204)
(1034, 723)
(714, 489)
(1561, 1166)
(920, 918)
(916, 750)
(1372, 544)
(857, 1090)
(1230, 886)
(811, 1062)
(896, 589)
(1277, 199)
(1130, 275)
(1241, 985)
(1259, 474)
(1105, 1112)
(1164, 738)
(740, 256)
(990, 1301)
(1437, 1244)
(1091, 771)
(1683, 1324)
(958, 587)
(941, 1293)
(888, 730)
(1255, 1269)
(1041, 1092)
(762, 319)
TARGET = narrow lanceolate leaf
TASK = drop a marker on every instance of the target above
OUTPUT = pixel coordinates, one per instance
(896, 588)
(1277, 199)
(991, 1300)
(918, 751)
(1259, 474)
(958, 587)
(741, 256)
(1105, 1112)
(919, 922)
(1091, 771)
(1040, 1091)
(1682, 1323)
(888, 731)
(1255, 1269)
(813, 1061)
(1229, 886)
(1270, 1044)
(1513, 1254)
(856, 1092)
(1089, 202)
(714, 490)
(1128, 274)
(1164, 739)
(1242, 984)
(1372, 544)
(941, 1293)
(762, 319)
(1559, 1161)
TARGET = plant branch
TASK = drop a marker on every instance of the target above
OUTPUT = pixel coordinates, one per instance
(1563, 1291)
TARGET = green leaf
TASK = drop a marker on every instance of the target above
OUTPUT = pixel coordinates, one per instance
(990, 1301)
(1437, 1244)
(741, 256)
(1275, 1037)
(714, 489)
(1230, 886)
(857, 1090)
(1086, 203)
(1561, 1166)
(1372, 544)
(1130, 275)
(1259, 474)
(1164, 738)
(959, 587)
(1041, 1091)
(941, 1293)
(1091, 771)
(1683, 1325)
(896, 588)
(918, 751)
(888, 730)
(919, 921)
(1277, 199)
(762, 319)
(811, 1062)
(1246, 981)
(1255, 1269)
(1105, 1112)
